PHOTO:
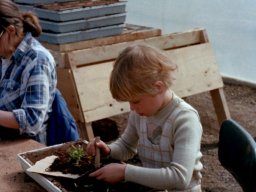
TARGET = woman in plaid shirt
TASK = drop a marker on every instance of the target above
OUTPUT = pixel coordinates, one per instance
(27, 75)
(162, 129)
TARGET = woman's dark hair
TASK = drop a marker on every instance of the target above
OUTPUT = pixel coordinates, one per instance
(24, 22)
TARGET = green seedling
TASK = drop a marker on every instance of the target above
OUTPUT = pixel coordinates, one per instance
(76, 154)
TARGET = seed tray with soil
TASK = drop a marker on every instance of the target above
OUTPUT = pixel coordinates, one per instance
(61, 6)
(32, 2)
(70, 11)
(72, 159)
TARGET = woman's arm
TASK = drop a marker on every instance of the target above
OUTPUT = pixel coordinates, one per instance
(7, 119)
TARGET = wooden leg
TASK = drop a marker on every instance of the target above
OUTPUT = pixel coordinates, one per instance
(89, 131)
(86, 131)
(220, 105)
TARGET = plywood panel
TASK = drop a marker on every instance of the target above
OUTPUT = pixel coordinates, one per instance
(197, 72)
(93, 90)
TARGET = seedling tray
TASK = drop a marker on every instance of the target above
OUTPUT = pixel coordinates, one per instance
(82, 24)
(85, 12)
(27, 161)
(31, 2)
(61, 38)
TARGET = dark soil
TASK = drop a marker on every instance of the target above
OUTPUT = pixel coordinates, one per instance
(61, 6)
(65, 163)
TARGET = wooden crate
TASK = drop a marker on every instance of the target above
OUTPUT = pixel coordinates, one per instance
(89, 71)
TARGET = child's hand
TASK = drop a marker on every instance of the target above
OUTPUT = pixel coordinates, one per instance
(91, 147)
(111, 173)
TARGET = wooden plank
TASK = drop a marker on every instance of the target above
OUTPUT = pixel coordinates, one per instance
(220, 105)
(197, 72)
(130, 33)
(60, 59)
(93, 91)
(99, 54)
(68, 89)
(89, 131)
(85, 130)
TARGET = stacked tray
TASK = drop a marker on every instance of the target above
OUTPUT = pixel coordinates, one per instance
(62, 22)
(32, 2)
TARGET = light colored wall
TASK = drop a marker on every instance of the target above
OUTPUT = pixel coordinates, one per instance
(231, 27)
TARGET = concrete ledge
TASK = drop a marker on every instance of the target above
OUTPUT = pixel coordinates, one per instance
(236, 81)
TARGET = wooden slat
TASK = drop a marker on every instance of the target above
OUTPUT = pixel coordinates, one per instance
(93, 90)
(197, 72)
(220, 105)
(100, 54)
(67, 87)
(60, 59)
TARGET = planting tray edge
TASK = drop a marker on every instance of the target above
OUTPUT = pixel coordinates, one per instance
(40, 179)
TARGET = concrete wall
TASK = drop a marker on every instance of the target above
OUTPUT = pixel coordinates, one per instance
(231, 27)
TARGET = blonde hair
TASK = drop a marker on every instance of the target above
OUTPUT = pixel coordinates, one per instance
(137, 69)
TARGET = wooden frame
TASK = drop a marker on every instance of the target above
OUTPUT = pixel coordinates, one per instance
(198, 72)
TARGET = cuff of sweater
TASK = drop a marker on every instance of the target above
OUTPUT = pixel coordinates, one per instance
(131, 172)
(113, 151)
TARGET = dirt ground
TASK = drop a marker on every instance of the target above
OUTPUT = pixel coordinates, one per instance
(241, 102)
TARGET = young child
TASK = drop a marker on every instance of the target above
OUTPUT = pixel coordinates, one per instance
(162, 129)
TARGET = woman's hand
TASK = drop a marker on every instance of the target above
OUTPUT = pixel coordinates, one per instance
(111, 173)
(91, 147)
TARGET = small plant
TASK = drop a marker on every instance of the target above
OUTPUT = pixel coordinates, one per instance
(76, 154)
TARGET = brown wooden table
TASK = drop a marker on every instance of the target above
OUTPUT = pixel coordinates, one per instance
(12, 176)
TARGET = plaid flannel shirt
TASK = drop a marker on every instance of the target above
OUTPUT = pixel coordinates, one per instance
(27, 87)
